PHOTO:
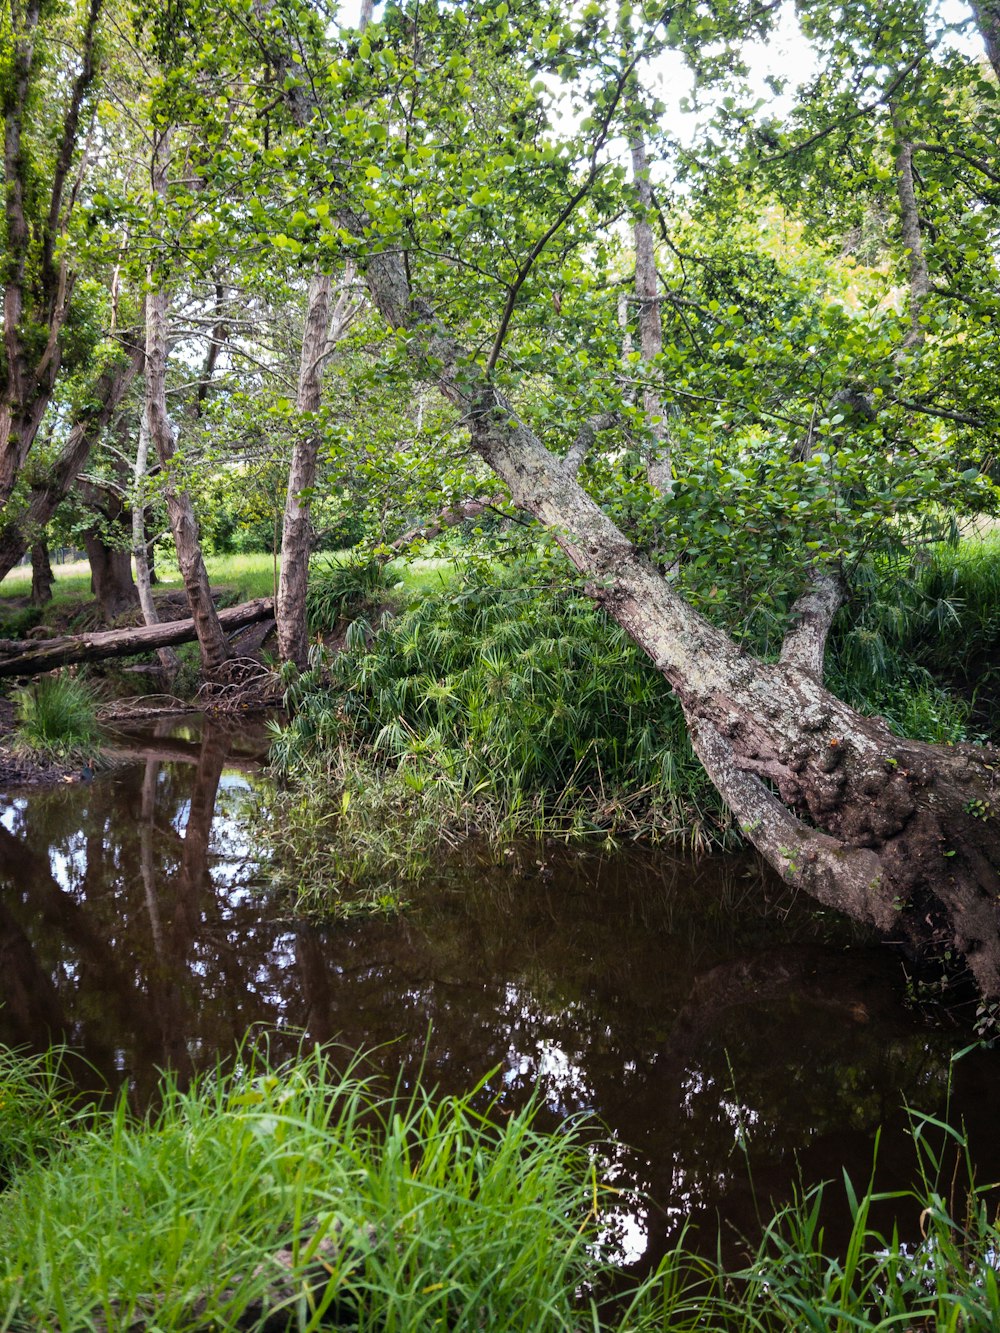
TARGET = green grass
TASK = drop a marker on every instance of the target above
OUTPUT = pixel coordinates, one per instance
(304, 1191)
(248, 576)
(72, 582)
(946, 1280)
(243, 576)
(57, 718)
(34, 1110)
(405, 1213)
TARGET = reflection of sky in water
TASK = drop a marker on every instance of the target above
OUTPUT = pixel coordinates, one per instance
(230, 843)
(13, 813)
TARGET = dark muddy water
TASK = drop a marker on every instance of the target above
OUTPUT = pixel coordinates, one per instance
(730, 1039)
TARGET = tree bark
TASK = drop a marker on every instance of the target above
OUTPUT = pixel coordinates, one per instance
(110, 559)
(899, 834)
(140, 549)
(919, 274)
(987, 13)
(296, 533)
(18, 532)
(110, 576)
(211, 640)
(37, 285)
(28, 658)
(42, 577)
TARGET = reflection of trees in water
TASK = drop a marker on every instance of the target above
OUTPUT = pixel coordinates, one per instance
(689, 1006)
(132, 948)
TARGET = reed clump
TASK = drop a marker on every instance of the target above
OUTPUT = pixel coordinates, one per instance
(57, 718)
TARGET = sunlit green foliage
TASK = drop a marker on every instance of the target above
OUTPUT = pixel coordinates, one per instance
(401, 1212)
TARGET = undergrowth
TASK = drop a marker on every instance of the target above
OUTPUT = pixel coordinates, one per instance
(301, 1197)
(505, 707)
(304, 1189)
(345, 587)
(57, 718)
(507, 704)
(920, 639)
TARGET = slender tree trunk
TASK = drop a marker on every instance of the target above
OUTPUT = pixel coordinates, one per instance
(42, 577)
(896, 833)
(140, 550)
(919, 274)
(212, 643)
(296, 533)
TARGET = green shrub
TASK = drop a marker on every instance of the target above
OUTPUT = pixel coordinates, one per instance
(339, 589)
(57, 717)
(15, 622)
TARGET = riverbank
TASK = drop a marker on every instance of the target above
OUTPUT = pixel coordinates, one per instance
(305, 1196)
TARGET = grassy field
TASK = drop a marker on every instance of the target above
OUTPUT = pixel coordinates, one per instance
(246, 576)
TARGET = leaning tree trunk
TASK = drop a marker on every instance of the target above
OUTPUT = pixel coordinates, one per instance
(896, 833)
(183, 525)
(47, 494)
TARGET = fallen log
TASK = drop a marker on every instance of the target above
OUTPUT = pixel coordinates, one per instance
(30, 658)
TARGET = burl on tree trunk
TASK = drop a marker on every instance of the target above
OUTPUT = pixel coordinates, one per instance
(898, 834)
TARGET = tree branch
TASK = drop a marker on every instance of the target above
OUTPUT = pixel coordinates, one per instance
(804, 645)
(585, 438)
(67, 144)
(561, 217)
(920, 279)
(976, 162)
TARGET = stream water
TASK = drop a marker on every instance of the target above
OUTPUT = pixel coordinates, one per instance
(731, 1039)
